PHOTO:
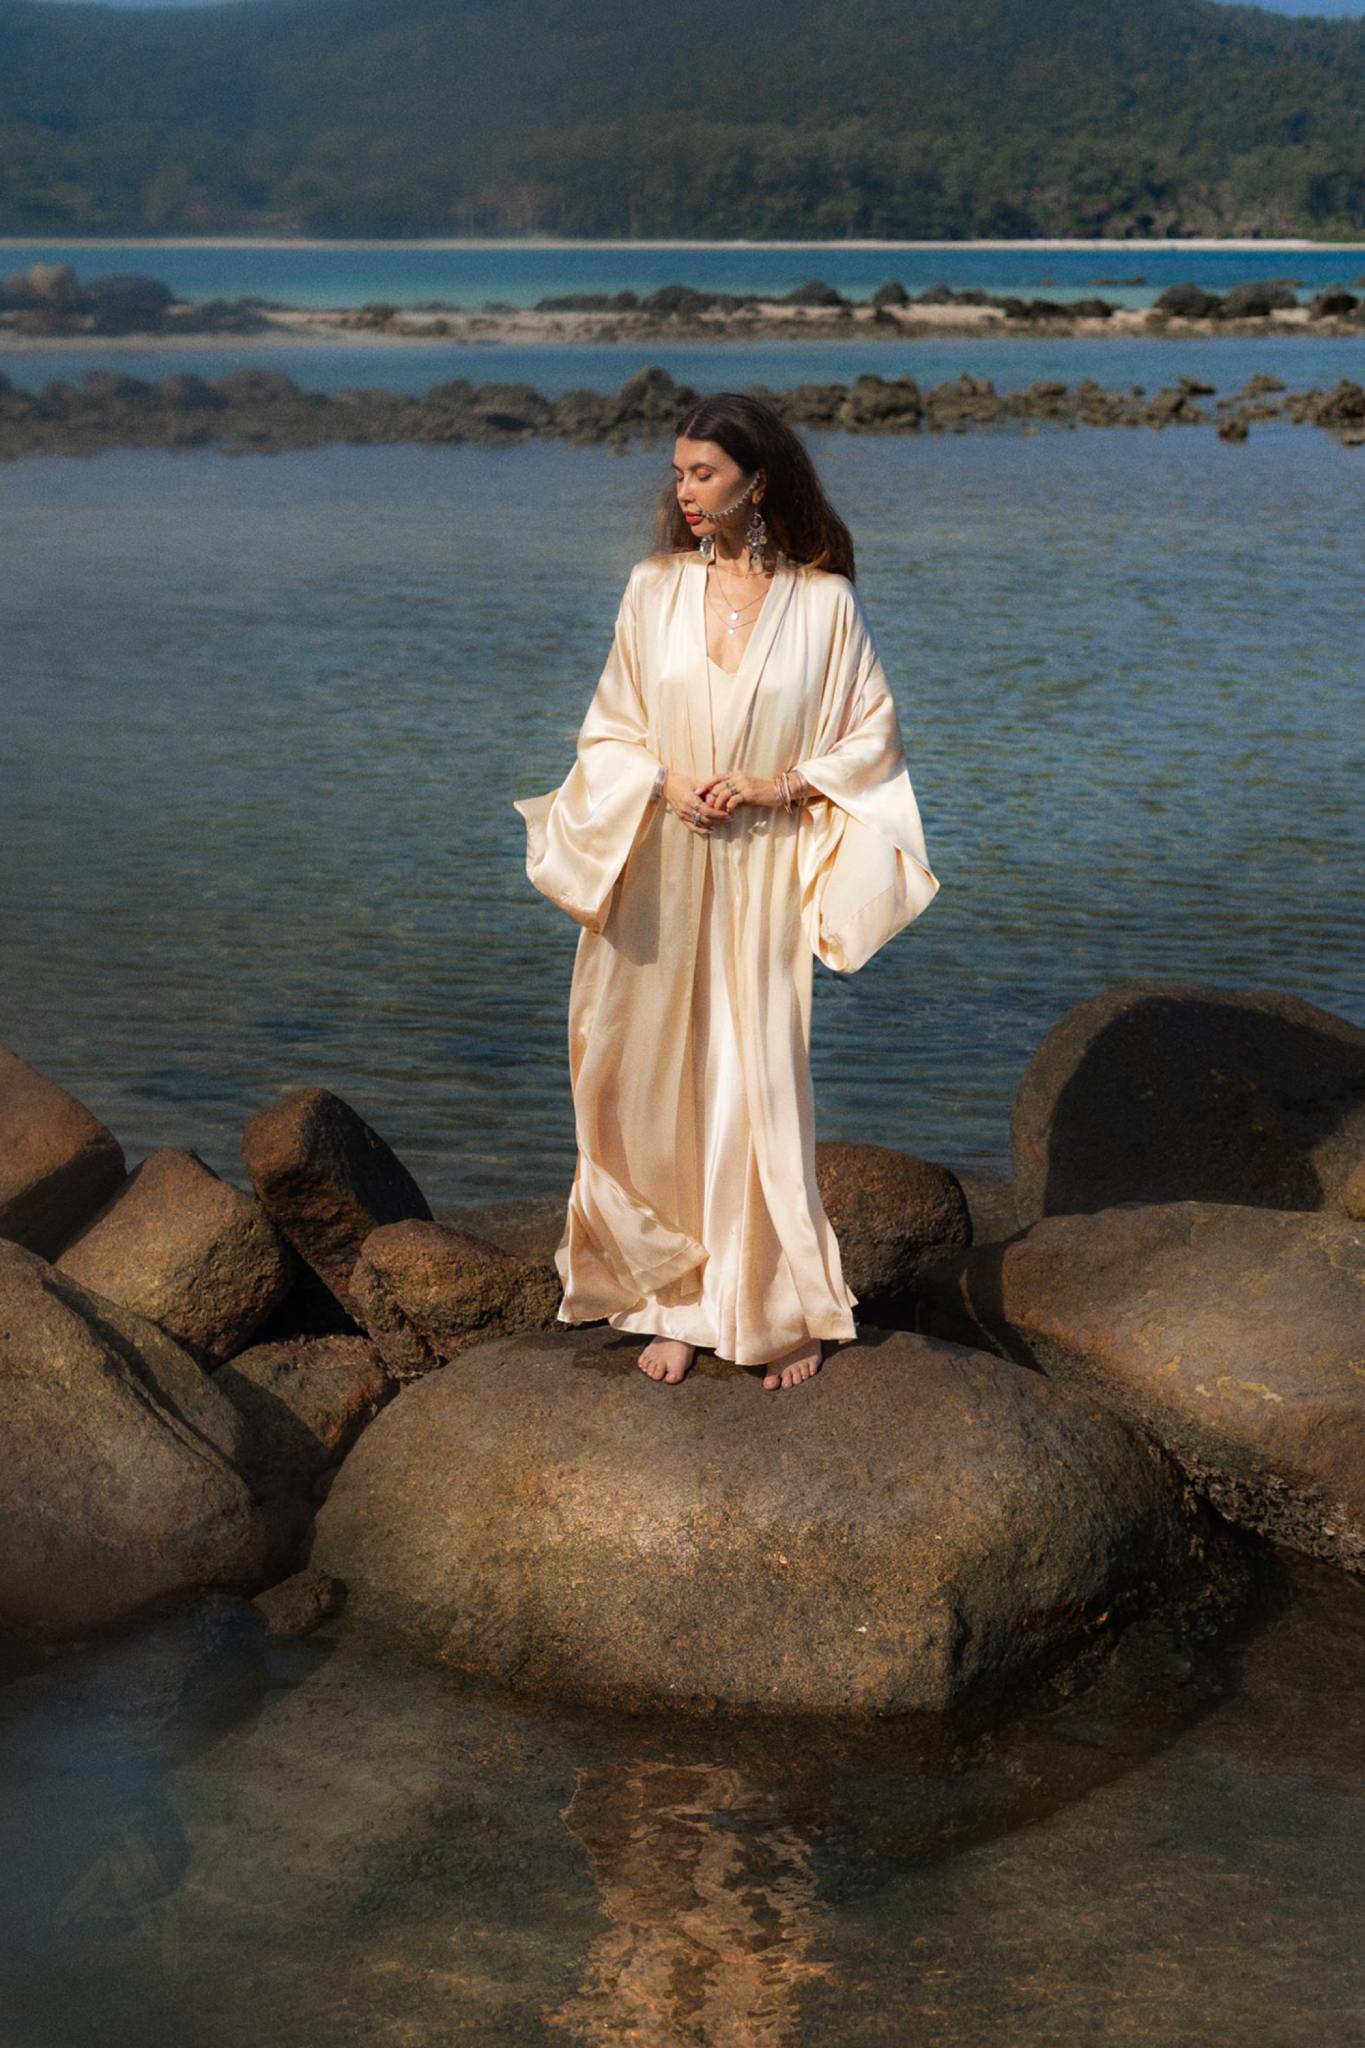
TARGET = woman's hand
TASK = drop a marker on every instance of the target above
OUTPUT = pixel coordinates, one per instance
(733, 787)
(686, 798)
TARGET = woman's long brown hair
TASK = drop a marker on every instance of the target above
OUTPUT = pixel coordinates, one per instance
(801, 521)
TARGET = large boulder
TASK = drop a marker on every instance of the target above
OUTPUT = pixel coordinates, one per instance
(119, 1487)
(1158, 1092)
(58, 1163)
(1233, 1336)
(918, 1526)
(427, 1291)
(327, 1179)
(187, 1250)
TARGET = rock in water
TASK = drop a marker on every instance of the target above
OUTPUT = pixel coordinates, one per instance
(918, 1525)
(1158, 1092)
(118, 1487)
(1233, 1336)
(57, 1162)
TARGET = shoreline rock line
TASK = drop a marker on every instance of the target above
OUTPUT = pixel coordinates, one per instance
(48, 302)
(264, 411)
(1106, 1386)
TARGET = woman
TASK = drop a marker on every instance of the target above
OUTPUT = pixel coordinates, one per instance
(739, 804)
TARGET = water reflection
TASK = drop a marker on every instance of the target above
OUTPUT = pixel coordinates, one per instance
(714, 1910)
(207, 1839)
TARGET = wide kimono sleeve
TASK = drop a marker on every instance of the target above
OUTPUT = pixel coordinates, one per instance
(579, 835)
(861, 859)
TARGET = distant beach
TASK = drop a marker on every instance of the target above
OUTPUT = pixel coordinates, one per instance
(1250, 244)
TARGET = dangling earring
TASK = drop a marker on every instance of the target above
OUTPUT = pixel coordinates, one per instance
(706, 547)
(756, 539)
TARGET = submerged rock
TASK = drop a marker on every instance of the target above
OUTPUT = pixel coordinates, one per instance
(918, 1526)
(1232, 1336)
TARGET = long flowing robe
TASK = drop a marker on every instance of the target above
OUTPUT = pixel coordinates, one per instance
(694, 1211)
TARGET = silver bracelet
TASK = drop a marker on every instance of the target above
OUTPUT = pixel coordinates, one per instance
(657, 791)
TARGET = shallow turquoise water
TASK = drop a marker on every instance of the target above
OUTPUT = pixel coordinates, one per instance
(265, 719)
(407, 274)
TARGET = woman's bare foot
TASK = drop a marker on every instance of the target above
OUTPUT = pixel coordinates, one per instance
(667, 1358)
(798, 1364)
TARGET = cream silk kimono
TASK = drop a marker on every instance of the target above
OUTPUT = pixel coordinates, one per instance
(694, 1211)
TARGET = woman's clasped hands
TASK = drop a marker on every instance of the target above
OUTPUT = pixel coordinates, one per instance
(712, 801)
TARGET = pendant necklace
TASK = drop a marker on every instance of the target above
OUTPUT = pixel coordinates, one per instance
(736, 611)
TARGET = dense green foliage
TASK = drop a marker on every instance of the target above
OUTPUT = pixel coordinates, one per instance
(821, 118)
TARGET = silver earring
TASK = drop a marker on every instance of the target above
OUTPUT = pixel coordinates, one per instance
(756, 539)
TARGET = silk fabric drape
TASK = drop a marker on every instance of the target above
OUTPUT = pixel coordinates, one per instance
(694, 1210)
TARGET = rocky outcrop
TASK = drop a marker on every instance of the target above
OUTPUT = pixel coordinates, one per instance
(920, 1526)
(254, 409)
(185, 1249)
(58, 1163)
(428, 1291)
(48, 299)
(327, 1180)
(120, 1487)
(1233, 1336)
(1161, 1092)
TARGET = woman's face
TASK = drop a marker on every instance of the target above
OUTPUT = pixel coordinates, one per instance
(707, 482)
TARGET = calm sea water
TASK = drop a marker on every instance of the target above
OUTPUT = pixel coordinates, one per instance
(407, 274)
(264, 719)
(209, 1839)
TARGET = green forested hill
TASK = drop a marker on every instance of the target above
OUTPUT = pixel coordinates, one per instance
(825, 118)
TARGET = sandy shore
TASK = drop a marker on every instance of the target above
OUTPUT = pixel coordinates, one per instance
(1248, 243)
(762, 322)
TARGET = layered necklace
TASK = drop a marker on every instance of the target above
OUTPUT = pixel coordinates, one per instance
(733, 617)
